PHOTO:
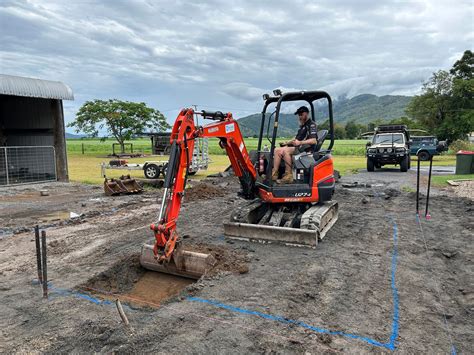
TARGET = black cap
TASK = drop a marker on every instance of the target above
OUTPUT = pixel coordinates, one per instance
(301, 110)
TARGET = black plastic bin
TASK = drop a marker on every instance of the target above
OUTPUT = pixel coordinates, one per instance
(464, 162)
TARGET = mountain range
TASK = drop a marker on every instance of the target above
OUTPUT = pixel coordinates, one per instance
(362, 109)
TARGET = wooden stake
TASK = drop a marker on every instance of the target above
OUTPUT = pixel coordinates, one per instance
(121, 312)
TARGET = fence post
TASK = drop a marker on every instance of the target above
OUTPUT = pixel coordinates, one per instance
(38, 254)
(6, 165)
(82, 148)
(45, 264)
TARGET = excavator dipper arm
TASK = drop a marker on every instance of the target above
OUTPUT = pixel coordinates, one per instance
(182, 140)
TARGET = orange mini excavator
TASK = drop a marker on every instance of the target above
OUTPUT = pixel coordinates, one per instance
(299, 213)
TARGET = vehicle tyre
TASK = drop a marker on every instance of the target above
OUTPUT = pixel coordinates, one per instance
(424, 155)
(151, 171)
(409, 162)
(404, 164)
(370, 165)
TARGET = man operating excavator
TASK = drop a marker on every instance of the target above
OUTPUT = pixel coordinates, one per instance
(305, 141)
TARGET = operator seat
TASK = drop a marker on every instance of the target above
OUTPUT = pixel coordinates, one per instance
(307, 159)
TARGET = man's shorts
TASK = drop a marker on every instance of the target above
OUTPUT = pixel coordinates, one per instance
(298, 150)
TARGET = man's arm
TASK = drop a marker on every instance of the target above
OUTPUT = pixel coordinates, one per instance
(309, 141)
(311, 137)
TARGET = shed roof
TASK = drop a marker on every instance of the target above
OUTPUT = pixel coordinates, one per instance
(21, 86)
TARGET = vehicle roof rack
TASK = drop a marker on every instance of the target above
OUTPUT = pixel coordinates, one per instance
(391, 128)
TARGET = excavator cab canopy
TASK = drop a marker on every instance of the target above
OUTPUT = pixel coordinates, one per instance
(278, 98)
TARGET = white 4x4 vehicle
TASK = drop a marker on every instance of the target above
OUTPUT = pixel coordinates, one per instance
(390, 145)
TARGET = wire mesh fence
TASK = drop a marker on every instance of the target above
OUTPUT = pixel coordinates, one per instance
(22, 165)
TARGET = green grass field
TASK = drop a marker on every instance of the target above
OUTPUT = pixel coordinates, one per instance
(348, 159)
(143, 145)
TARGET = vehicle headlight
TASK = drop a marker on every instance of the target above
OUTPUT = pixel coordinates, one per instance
(372, 150)
(389, 150)
(400, 150)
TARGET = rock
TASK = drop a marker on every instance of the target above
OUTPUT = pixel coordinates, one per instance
(325, 338)
(449, 254)
(243, 269)
(365, 201)
(83, 204)
(53, 243)
(44, 193)
(391, 193)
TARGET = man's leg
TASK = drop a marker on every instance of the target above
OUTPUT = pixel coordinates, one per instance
(277, 156)
(286, 155)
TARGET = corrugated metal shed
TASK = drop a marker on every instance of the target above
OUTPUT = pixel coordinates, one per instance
(21, 86)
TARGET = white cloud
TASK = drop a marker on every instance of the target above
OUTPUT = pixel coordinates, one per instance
(227, 54)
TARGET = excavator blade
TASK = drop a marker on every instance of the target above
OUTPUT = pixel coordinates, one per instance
(315, 223)
(270, 234)
(183, 263)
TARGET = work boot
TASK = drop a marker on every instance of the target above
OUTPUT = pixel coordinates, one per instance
(275, 175)
(286, 179)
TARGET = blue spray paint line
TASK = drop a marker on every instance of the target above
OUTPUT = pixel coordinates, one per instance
(65, 292)
(395, 320)
(391, 345)
(289, 321)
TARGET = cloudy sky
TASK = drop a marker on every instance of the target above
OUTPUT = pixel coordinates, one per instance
(226, 54)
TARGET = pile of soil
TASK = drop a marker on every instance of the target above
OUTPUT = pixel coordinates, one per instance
(229, 260)
(204, 191)
(465, 189)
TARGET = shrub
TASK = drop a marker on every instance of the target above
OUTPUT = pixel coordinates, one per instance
(460, 145)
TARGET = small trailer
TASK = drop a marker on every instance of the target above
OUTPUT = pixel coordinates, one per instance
(155, 169)
(151, 169)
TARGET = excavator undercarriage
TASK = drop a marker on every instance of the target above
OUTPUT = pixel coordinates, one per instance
(290, 224)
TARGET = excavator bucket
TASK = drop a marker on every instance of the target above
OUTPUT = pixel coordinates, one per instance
(257, 222)
(183, 263)
(112, 187)
(129, 185)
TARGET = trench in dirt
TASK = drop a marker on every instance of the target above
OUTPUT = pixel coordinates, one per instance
(129, 282)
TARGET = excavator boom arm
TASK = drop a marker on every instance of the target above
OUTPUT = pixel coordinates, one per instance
(182, 140)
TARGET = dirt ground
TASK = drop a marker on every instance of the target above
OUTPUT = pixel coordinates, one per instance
(381, 280)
